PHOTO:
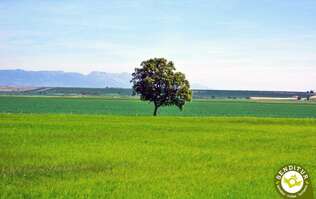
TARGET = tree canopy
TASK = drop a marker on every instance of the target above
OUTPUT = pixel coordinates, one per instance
(157, 81)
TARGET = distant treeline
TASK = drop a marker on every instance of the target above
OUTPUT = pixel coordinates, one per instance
(122, 92)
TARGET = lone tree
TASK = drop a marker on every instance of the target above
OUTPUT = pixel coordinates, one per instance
(158, 82)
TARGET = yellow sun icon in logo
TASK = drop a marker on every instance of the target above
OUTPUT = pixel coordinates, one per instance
(292, 181)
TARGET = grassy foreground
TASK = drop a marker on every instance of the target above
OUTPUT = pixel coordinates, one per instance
(119, 106)
(82, 156)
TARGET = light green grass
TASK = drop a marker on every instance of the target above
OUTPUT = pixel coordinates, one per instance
(85, 156)
(134, 107)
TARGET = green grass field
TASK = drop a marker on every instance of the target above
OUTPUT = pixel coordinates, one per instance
(113, 148)
(119, 106)
(86, 156)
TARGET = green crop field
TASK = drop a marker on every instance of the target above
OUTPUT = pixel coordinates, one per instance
(86, 156)
(119, 106)
(96, 147)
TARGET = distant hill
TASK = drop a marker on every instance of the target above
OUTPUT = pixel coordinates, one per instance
(23, 78)
(64, 79)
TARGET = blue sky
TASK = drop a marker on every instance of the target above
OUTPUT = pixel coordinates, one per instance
(232, 44)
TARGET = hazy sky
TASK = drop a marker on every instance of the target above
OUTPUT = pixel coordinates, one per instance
(222, 44)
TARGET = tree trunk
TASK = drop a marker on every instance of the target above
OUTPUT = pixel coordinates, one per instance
(156, 108)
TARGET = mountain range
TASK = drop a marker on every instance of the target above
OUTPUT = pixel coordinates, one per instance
(64, 79)
(94, 79)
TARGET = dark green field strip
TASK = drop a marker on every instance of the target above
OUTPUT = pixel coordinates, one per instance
(126, 92)
(90, 156)
(110, 106)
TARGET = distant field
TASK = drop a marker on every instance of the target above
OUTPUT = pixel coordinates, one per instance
(124, 92)
(121, 106)
(81, 156)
